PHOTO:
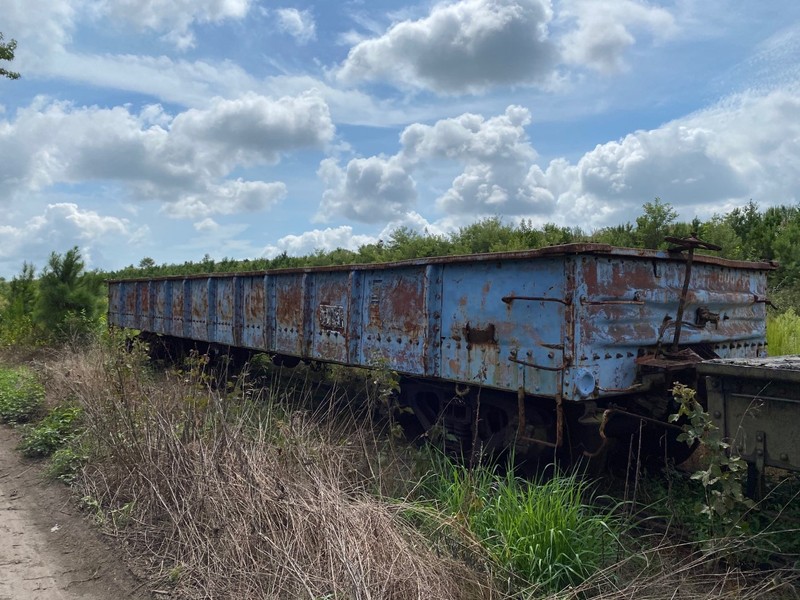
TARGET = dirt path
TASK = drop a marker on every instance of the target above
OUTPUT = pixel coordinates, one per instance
(47, 549)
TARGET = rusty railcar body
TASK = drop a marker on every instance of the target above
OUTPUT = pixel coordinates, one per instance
(756, 405)
(495, 347)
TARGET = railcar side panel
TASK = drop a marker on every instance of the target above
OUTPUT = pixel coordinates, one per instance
(628, 304)
(143, 306)
(224, 299)
(160, 297)
(503, 324)
(393, 315)
(331, 316)
(199, 309)
(252, 325)
(179, 303)
(115, 304)
(289, 302)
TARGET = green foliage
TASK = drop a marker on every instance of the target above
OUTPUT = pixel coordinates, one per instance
(147, 263)
(655, 224)
(69, 298)
(7, 50)
(541, 534)
(719, 231)
(618, 235)
(744, 233)
(725, 503)
(16, 320)
(22, 291)
(51, 433)
(16, 330)
(66, 462)
(783, 333)
(21, 395)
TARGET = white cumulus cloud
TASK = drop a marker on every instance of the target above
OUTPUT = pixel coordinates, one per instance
(58, 228)
(465, 46)
(367, 189)
(318, 239)
(605, 29)
(182, 161)
(231, 197)
(746, 147)
(495, 155)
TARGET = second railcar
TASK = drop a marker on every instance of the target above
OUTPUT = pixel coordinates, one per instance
(546, 336)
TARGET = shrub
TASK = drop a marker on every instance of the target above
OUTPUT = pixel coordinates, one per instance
(21, 395)
(67, 462)
(51, 433)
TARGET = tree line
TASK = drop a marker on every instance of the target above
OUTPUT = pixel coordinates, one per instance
(65, 300)
(745, 233)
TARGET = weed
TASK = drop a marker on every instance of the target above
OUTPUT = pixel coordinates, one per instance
(52, 432)
(232, 491)
(21, 395)
(722, 479)
(67, 462)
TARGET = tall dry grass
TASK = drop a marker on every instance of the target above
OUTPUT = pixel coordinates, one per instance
(235, 495)
(240, 491)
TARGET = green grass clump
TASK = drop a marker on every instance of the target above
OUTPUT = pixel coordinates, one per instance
(783, 333)
(52, 432)
(543, 535)
(21, 395)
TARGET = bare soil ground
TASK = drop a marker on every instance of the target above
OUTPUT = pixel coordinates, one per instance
(48, 549)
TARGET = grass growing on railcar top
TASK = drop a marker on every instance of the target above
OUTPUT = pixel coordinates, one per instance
(783, 333)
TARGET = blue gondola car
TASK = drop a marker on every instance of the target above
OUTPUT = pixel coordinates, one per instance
(535, 347)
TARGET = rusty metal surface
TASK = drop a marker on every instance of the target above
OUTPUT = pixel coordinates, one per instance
(224, 300)
(252, 330)
(393, 331)
(627, 307)
(287, 308)
(528, 331)
(772, 368)
(332, 300)
(176, 326)
(567, 322)
(756, 405)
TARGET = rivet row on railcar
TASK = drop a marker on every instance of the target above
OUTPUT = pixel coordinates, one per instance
(561, 349)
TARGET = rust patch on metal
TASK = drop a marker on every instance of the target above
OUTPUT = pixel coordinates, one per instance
(253, 299)
(397, 305)
(144, 299)
(289, 301)
(375, 296)
(480, 335)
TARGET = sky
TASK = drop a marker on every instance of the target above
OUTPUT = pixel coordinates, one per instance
(172, 129)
